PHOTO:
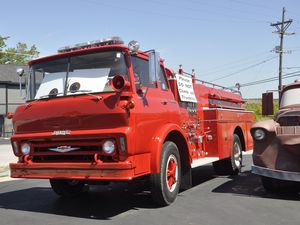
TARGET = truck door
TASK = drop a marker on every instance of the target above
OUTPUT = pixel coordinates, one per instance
(155, 104)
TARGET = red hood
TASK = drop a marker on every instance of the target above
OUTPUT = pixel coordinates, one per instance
(82, 112)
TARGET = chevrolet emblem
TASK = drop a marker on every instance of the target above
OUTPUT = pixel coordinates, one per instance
(63, 149)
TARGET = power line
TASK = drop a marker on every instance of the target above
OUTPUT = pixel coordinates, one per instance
(244, 69)
(251, 4)
(208, 10)
(270, 79)
(173, 16)
(234, 64)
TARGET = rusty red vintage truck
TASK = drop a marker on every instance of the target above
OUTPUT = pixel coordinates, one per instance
(276, 154)
(103, 111)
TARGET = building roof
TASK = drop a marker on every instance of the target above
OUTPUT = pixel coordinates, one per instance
(8, 73)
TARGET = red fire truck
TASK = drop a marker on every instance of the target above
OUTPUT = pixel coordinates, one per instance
(102, 111)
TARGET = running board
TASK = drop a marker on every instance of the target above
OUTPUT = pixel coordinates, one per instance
(207, 160)
(204, 161)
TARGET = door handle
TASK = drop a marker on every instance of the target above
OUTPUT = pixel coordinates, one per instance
(164, 102)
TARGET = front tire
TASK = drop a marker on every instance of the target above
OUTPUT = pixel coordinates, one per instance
(166, 184)
(67, 188)
(233, 164)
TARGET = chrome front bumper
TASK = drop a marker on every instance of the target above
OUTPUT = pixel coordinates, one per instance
(277, 174)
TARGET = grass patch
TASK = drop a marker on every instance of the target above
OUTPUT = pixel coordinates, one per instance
(256, 107)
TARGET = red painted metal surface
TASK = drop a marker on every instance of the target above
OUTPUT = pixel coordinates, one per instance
(137, 124)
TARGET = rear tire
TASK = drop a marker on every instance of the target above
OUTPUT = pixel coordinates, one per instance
(67, 188)
(233, 164)
(166, 184)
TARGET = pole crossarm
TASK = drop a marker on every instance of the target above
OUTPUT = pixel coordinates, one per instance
(281, 30)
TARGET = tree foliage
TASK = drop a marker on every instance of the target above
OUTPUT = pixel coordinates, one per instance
(20, 54)
(256, 107)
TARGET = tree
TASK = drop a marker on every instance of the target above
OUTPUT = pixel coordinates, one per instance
(2, 42)
(2, 46)
(20, 54)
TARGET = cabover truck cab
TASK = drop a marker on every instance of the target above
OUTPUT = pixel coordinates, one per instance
(276, 155)
(102, 111)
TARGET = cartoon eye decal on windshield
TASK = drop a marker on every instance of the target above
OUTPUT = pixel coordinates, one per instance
(74, 87)
(53, 92)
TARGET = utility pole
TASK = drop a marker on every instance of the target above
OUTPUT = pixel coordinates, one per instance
(281, 30)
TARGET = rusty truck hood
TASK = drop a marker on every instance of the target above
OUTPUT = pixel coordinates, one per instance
(82, 112)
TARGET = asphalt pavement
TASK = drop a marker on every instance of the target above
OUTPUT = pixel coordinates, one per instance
(212, 200)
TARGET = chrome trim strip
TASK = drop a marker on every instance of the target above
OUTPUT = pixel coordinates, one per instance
(277, 174)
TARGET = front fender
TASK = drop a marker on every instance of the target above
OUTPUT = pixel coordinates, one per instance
(157, 142)
(268, 125)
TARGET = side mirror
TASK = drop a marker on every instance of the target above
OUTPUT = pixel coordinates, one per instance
(20, 72)
(154, 66)
(267, 104)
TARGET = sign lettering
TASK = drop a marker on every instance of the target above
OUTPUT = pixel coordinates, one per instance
(185, 88)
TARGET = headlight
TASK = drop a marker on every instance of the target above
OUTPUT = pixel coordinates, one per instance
(25, 148)
(109, 147)
(259, 134)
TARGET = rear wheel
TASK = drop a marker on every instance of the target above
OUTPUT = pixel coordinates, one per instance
(67, 188)
(165, 185)
(233, 164)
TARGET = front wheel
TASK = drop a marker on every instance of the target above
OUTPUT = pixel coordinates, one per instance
(67, 188)
(233, 164)
(165, 185)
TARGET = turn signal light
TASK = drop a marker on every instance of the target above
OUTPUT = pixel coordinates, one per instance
(9, 115)
(130, 105)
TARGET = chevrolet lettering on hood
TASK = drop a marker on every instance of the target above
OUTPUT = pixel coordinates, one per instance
(61, 132)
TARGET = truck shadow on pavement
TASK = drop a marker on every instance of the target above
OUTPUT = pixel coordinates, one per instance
(100, 202)
(106, 202)
(248, 184)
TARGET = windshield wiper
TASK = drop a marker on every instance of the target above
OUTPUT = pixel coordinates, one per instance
(43, 97)
(87, 92)
(49, 95)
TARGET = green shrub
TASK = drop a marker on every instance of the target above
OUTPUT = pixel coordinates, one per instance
(256, 107)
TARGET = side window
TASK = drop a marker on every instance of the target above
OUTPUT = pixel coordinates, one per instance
(141, 71)
(162, 79)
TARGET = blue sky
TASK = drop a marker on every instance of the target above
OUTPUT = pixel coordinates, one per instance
(217, 38)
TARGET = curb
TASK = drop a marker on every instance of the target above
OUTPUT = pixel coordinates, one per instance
(4, 170)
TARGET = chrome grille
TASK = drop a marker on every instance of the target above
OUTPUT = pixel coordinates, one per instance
(288, 130)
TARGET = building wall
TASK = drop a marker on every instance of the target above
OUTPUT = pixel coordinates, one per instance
(2, 99)
(13, 101)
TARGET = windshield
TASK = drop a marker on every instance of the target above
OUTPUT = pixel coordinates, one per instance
(73, 75)
(290, 97)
